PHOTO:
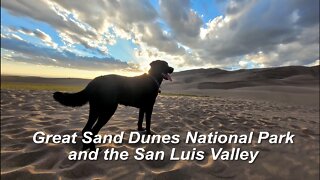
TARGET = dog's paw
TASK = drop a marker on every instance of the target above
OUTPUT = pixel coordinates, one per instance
(90, 146)
(85, 147)
(149, 133)
(141, 129)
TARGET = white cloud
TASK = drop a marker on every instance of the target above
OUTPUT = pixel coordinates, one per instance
(315, 63)
(28, 52)
(264, 33)
(45, 38)
(17, 37)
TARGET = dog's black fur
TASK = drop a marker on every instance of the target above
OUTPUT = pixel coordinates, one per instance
(104, 93)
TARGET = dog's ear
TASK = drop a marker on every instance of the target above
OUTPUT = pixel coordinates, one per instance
(154, 67)
(153, 63)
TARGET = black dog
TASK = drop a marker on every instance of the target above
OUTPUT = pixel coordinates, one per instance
(104, 93)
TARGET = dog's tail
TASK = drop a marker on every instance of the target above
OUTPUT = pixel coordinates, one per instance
(72, 99)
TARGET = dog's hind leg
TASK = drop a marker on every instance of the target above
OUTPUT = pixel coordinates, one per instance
(104, 118)
(93, 115)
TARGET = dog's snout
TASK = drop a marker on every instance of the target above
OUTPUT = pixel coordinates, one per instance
(171, 70)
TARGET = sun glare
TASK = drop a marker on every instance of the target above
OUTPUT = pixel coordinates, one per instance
(26, 69)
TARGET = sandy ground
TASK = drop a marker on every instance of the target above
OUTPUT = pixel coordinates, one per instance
(24, 112)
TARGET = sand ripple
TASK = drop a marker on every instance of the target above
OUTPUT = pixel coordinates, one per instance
(24, 112)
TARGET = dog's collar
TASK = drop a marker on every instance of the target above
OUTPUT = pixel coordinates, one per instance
(156, 81)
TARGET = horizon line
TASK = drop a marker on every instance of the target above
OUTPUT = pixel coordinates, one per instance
(52, 77)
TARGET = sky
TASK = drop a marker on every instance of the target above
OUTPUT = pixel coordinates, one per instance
(84, 39)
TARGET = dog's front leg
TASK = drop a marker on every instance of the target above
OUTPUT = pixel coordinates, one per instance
(148, 119)
(141, 116)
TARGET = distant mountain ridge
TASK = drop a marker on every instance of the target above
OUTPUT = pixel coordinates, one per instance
(222, 79)
(212, 78)
(291, 70)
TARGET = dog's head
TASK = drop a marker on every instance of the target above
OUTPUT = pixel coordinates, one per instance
(161, 68)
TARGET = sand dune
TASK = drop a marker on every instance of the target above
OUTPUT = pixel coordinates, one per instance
(24, 112)
(218, 75)
(221, 79)
(289, 85)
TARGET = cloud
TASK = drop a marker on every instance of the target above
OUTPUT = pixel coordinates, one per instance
(64, 21)
(102, 14)
(130, 19)
(27, 52)
(184, 22)
(37, 33)
(279, 29)
(264, 33)
(152, 35)
(45, 37)
(17, 37)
